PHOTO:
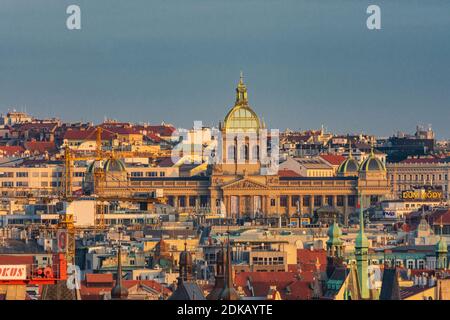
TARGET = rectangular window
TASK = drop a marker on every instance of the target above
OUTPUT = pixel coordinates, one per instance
(7, 184)
(340, 201)
(273, 202)
(192, 201)
(317, 201)
(22, 184)
(7, 174)
(162, 174)
(351, 201)
(295, 200)
(137, 174)
(329, 200)
(21, 174)
(284, 201)
(306, 201)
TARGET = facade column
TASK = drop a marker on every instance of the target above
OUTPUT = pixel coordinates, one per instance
(175, 201)
(335, 201)
(197, 202)
(277, 202)
(267, 205)
(311, 204)
(346, 211)
(225, 203)
(241, 206)
(300, 205)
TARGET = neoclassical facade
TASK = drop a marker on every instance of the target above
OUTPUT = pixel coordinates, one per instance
(244, 182)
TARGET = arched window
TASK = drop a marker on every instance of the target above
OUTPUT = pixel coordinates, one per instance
(244, 152)
(255, 153)
(231, 153)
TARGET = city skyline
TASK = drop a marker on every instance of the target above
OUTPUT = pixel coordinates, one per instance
(305, 64)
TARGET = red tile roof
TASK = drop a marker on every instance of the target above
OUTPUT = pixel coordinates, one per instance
(288, 173)
(11, 150)
(46, 126)
(86, 134)
(333, 159)
(440, 215)
(154, 137)
(287, 283)
(96, 278)
(40, 146)
(307, 259)
(11, 259)
(96, 292)
(162, 130)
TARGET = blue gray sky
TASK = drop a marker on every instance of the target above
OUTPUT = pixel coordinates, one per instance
(306, 63)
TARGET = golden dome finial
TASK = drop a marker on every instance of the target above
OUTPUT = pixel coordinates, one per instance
(241, 90)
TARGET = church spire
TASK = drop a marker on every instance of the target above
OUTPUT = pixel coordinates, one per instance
(441, 251)
(241, 91)
(228, 292)
(361, 254)
(119, 291)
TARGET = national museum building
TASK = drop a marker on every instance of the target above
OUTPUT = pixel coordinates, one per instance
(243, 183)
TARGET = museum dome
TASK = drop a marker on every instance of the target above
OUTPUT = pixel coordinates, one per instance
(348, 167)
(371, 164)
(110, 165)
(241, 117)
(114, 165)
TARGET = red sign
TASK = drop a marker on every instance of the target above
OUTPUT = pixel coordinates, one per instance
(13, 272)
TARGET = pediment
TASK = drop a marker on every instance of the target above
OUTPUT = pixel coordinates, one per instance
(245, 184)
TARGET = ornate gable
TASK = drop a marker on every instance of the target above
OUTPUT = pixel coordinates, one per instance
(244, 184)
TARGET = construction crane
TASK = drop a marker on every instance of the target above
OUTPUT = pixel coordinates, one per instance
(66, 221)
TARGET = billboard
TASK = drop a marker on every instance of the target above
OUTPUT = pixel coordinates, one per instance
(13, 272)
(422, 195)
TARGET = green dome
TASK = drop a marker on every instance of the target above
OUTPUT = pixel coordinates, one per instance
(441, 246)
(110, 165)
(372, 163)
(349, 166)
(92, 166)
(334, 235)
(114, 165)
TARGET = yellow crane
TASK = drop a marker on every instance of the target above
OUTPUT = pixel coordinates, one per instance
(66, 221)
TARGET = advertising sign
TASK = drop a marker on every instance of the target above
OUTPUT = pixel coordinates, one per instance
(422, 195)
(389, 214)
(13, 272)
(61, 237)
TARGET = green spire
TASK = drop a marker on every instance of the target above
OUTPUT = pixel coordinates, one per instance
(334, 234)
(361, 239)
(361, 255)
(441, 251)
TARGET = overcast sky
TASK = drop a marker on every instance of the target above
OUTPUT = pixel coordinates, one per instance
(306, 63)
